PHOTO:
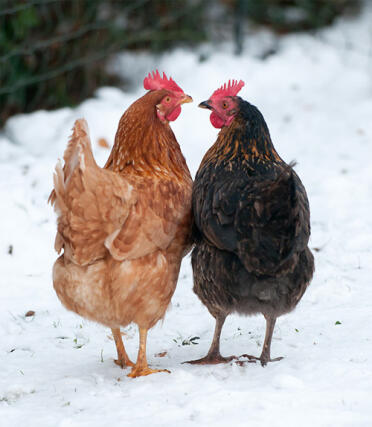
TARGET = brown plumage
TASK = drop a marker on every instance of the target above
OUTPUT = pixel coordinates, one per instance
(123, 228)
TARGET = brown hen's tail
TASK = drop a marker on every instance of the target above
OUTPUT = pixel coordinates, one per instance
(77, 153)
(71, 197)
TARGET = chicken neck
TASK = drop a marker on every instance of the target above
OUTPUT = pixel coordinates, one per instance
(144, 145)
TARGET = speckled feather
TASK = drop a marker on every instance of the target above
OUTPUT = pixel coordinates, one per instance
(252, 223)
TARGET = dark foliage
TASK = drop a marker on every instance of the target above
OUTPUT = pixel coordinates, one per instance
(293, 15)
(53, 52)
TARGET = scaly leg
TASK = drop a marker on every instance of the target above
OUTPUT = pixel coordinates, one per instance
(141, 367)
(214, 356)
(123, 359)
(265, 355)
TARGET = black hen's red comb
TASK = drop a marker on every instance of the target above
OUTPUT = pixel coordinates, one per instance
(155, 82)
(232, 88)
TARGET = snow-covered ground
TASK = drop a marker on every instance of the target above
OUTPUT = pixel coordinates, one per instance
(57, 369)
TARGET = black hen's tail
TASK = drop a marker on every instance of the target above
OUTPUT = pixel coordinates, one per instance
(273, 225)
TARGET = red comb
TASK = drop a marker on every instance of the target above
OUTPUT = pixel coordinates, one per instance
(231, 88)
(156, 82)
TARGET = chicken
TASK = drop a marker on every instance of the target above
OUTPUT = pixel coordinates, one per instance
(252, 223)
(124, 228)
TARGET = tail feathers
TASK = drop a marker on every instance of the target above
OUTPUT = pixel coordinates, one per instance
(285, 219)
(272, 197)
(284, 182)
(77, 154)
(282, 200)
(79, 149)
(271, 233)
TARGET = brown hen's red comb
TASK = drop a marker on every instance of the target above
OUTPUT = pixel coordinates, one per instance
(232, 88)
(156, 82)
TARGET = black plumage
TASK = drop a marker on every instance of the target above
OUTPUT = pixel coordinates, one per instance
(252, 226)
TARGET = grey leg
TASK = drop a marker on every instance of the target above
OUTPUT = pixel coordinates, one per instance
(214, 356)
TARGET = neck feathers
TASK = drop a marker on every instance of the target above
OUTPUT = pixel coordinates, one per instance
(143, 144)
(245, 142)
(254, 133)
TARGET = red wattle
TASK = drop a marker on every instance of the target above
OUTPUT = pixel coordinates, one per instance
(174, 114)
(216, 121)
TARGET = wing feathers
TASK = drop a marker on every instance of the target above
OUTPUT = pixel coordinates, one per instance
(91, 202)
(100, 212)
(263, 220)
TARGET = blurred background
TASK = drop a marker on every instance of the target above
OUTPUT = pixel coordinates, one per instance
(55, 53)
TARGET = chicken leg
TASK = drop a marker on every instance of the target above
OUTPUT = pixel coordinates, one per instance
(141, 367)
(123, 359)
(214, 356)
(265, 354)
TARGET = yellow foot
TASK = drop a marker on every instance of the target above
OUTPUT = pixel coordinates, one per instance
(124, 363)
(141, 372)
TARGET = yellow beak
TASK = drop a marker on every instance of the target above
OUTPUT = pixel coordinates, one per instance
(186, 99)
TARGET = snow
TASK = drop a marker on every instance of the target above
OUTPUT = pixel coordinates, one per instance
(57, 369)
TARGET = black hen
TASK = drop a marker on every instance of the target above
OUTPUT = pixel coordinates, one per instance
(252, 224)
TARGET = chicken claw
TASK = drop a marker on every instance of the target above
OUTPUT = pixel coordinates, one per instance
(214, 356)
(211, 359)
(141, 368)
(252, 359)
(265, 355)
(124, 363)
(123, 359)
(143, 371)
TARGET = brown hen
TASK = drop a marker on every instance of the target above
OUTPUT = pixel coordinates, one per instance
(124, 228)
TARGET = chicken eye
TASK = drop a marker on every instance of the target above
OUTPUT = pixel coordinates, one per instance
(225, 105)
(167, 99)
